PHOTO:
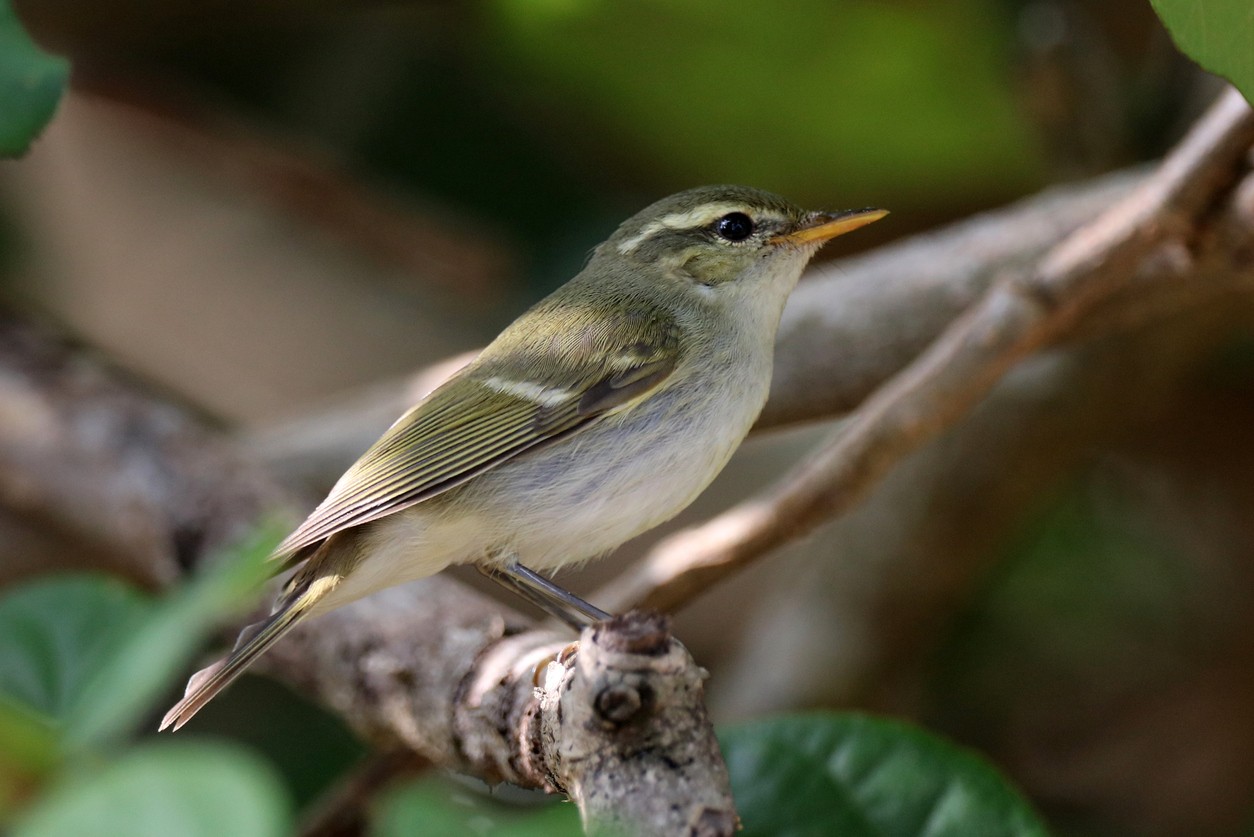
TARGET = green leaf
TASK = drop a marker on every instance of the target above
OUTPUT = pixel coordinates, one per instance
(92, 654)
(28, 753)
(31, 83)
(56, 633)
(853, 775)
(139, 671)
(1218, 34)
(187, 789)
(437, 806)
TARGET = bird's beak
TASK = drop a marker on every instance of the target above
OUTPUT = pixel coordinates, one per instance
(821, 226)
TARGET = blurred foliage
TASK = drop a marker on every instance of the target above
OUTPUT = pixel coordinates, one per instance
(439, 806)
(31, 83)
(56, 635)
(198, 789)
(1218, 34)
(29, 753)
(137, 670)
(83, 659)
(1036, 619)
(549, 121)
(554, 119)
(852, 101)
(858, 776)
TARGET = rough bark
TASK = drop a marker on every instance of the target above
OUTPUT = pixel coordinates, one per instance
(618, 725)
(433, 666)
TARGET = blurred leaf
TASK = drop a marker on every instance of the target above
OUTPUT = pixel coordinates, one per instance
(31, 83)
(1218, 34)
(28, 752)
(56, 633)
(184, 789)
(27, 738)
(139, 671)
(1092, 596)
(856, 99)
(853, 775)
(435, 806)
(310, 746)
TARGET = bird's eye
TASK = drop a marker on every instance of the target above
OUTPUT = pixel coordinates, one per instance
(734, 226)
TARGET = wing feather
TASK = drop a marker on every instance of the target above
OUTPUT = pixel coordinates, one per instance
(472, 423)
(430, 451)
(419, 457)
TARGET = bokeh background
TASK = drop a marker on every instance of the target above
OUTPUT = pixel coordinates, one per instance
(261, 208)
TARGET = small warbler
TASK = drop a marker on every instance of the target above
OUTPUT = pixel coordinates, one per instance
(601, 412)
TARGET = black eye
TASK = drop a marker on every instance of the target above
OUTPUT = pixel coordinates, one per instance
(734, 226)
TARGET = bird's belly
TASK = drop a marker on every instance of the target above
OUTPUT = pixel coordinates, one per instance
(584, 496)
(570, 501)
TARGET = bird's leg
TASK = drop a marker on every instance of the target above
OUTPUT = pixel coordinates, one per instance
(544, 594)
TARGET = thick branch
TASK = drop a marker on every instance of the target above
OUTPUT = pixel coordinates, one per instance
(433, 666)
(637, 696)
(141, 483)
(1016, 317)
(620, 726)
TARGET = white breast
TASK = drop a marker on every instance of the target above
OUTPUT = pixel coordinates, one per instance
(580, 497)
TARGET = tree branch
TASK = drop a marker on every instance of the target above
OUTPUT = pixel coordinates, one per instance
(619, 726)
(433, 666)
(839, 311)
(141, 483)
(1014, 318)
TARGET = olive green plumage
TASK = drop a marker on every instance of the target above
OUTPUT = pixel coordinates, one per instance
(601, 412)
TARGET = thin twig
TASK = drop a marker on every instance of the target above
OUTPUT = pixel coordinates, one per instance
(1013, 319)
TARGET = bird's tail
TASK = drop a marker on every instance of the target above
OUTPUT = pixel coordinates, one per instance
(253, 641)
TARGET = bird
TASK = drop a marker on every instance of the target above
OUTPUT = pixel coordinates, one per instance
(601, 412)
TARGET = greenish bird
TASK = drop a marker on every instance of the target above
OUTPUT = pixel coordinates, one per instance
(601, 412)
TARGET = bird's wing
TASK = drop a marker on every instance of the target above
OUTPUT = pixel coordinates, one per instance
(488, 414)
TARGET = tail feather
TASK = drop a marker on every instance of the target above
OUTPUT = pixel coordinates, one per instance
(253, 641)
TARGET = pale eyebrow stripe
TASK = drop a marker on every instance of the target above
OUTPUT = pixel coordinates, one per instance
(689, 219)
